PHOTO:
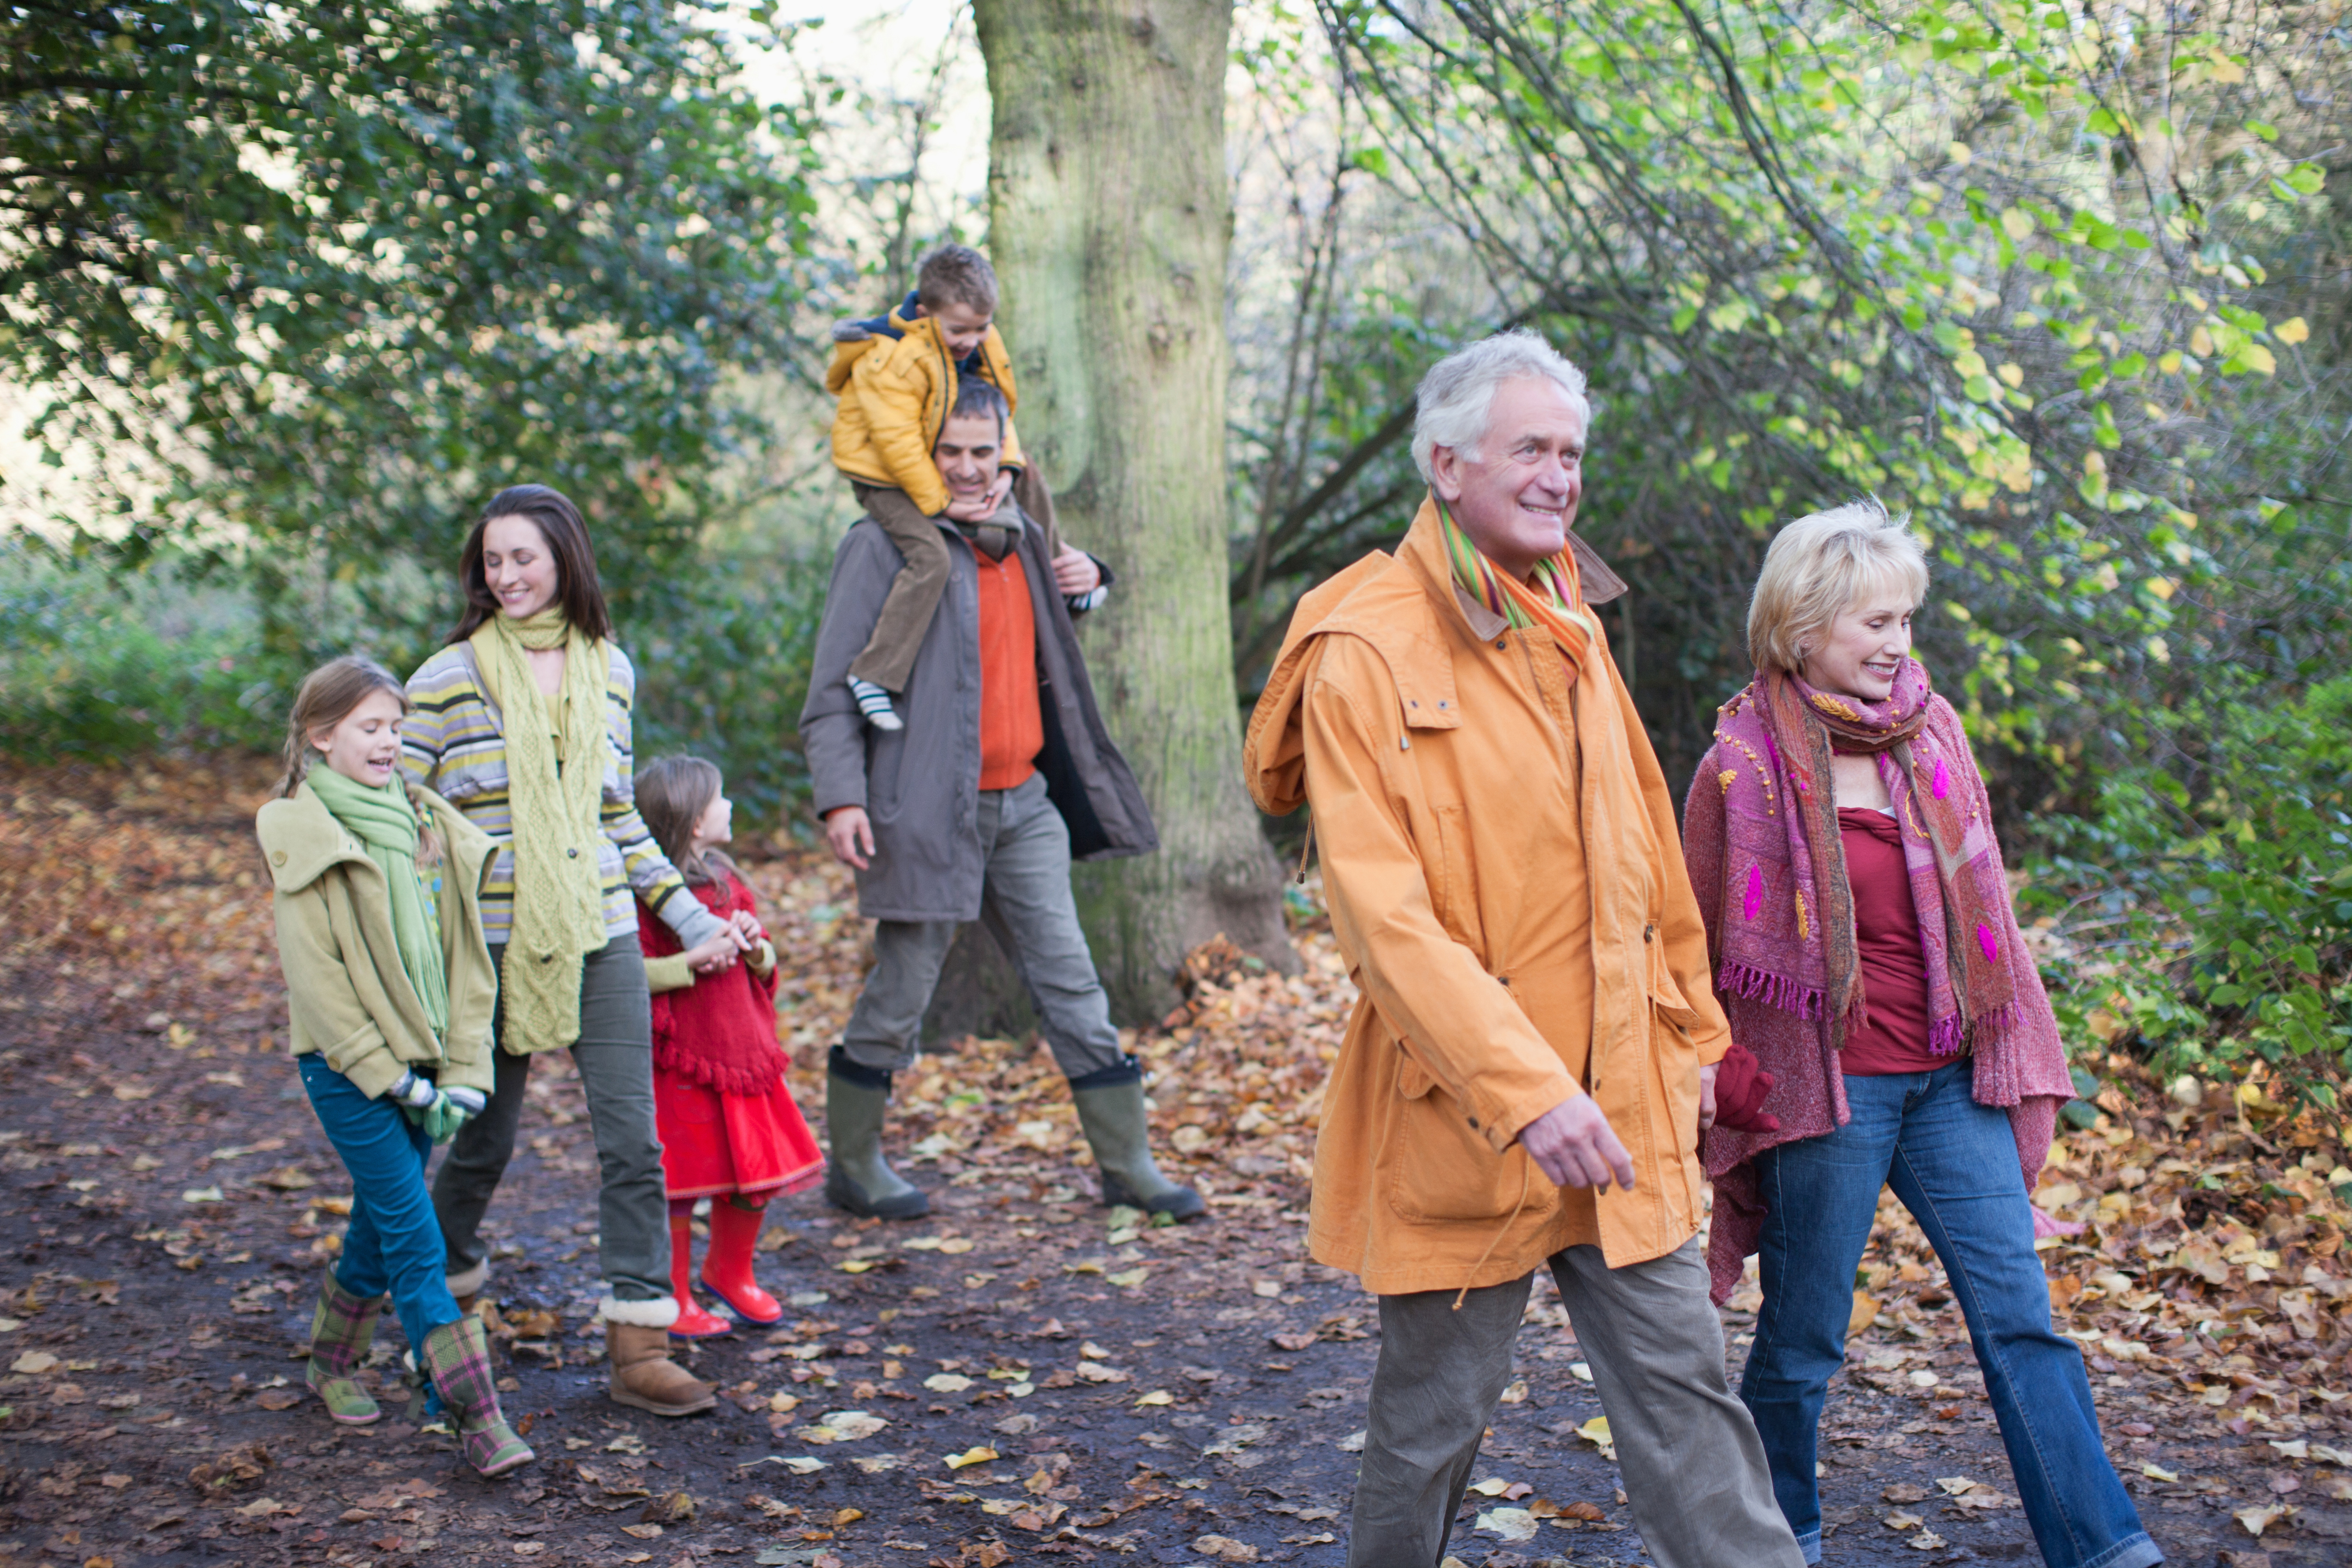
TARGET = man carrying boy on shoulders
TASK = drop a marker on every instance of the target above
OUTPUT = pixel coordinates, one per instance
(897, 375)
(1002, 774)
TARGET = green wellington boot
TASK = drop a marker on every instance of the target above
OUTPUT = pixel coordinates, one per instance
(458, 1358)
(341, 1332)
(1112, 1115)
(858, 1179)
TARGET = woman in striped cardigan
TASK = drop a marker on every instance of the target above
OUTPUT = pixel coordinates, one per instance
(522, 723)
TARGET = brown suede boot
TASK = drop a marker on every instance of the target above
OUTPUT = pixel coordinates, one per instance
(642, 1375)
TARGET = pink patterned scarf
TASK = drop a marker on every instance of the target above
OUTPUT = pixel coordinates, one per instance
(1761, 885)
(1793, 945)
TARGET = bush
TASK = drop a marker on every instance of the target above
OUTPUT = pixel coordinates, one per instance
(724, 667)
(2214, 925)
(98, 666)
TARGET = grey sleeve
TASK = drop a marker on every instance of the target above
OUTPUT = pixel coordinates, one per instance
(832, 736)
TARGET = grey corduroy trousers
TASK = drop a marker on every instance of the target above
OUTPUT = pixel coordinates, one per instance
(1692, 1467)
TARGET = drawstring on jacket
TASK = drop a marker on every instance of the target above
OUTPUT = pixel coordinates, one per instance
(1462, 1294)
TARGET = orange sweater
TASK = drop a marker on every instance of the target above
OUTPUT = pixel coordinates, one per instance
(1012, 728)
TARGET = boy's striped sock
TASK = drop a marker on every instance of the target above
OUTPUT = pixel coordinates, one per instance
(875, 704)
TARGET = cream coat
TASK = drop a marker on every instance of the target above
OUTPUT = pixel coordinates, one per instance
(348, 995)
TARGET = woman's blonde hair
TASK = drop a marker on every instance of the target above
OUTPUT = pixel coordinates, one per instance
(672, 794)
(1821, 566)
(326, 698)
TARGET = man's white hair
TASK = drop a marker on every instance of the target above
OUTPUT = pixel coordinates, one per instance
(1458, 394)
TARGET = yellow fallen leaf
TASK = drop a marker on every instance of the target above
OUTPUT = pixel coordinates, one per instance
(1493, 1486)
(946, 1383)
(1957, 1486)
(1926, 1541)
(1903, 1520)
(2157, 1473)
(1596, 1431)
(956, 1244)
(2257, 1519)
(1865, 1309)
(1130, 1278)
(34, 1361)
(847, 1516)
(855, 1265)
(1157, 1396)
(974, 1456)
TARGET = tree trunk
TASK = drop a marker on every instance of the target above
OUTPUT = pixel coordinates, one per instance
(1108, 216)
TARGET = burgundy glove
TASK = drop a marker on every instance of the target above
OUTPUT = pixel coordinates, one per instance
(1740, 1085)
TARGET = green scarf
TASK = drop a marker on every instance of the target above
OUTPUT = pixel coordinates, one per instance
(555, 787)
(384, 822)
(1554, 604)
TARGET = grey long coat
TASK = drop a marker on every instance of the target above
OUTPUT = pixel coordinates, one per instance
(920, 785)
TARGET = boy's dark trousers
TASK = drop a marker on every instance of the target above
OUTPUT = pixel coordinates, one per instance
(889, 654)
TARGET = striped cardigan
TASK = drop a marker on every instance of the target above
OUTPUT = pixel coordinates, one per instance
(454, 744)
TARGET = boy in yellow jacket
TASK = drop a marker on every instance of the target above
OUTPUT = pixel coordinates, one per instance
(897, 375)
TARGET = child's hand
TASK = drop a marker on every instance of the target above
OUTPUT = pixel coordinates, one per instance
(749, 931)
(1075, 573)
(1000, 490)
(851, 832)
(977, 507)
(710, 957)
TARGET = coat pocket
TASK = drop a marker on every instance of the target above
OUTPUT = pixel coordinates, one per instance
(1439, 1167)
(1454, 887)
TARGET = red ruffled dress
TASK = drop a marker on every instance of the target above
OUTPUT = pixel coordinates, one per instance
(727, 1119)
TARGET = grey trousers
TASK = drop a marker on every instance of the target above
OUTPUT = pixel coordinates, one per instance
(1692, 1467)
(615, 1059)
(1026, 904)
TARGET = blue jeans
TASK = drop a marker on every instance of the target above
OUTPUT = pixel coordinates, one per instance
(393, 1242)
(1954, 1164)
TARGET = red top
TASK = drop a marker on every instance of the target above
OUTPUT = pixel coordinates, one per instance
(1886, 932)
(721, 1031)
(1012, 726)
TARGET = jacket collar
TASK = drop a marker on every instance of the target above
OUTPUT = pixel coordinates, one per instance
(301, 840)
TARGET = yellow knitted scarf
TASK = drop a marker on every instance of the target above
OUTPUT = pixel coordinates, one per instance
(555, 784)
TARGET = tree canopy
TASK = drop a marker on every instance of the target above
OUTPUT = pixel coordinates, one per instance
(336, 270)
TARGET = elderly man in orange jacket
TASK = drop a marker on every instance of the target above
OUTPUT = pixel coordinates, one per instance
(1533, 1054)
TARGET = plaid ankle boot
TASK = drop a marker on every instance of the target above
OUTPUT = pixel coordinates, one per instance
(341, 1332)
(456, 1357)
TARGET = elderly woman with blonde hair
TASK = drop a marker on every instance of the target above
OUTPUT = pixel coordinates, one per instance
(1860, 924)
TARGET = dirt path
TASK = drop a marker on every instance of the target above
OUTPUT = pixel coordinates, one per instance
(1108, 1392)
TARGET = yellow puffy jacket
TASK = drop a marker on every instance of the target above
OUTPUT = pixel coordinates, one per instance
(896, 382)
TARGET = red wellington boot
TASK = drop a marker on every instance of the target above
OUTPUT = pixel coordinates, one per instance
(727, 1267)
(693, 1322)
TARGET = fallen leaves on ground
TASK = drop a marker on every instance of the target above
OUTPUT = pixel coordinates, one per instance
(2208, 1290)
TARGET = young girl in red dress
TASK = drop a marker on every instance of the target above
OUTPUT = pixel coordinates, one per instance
(730, 1129)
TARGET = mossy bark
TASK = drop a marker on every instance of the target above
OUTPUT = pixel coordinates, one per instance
(1109, 213)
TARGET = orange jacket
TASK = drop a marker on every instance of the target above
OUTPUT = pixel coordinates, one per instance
(896, 382)
(1500, 858)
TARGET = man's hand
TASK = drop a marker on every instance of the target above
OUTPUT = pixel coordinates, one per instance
(1575, 1146)
(851, 832)
(1075, 573)
(1707, 1096)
